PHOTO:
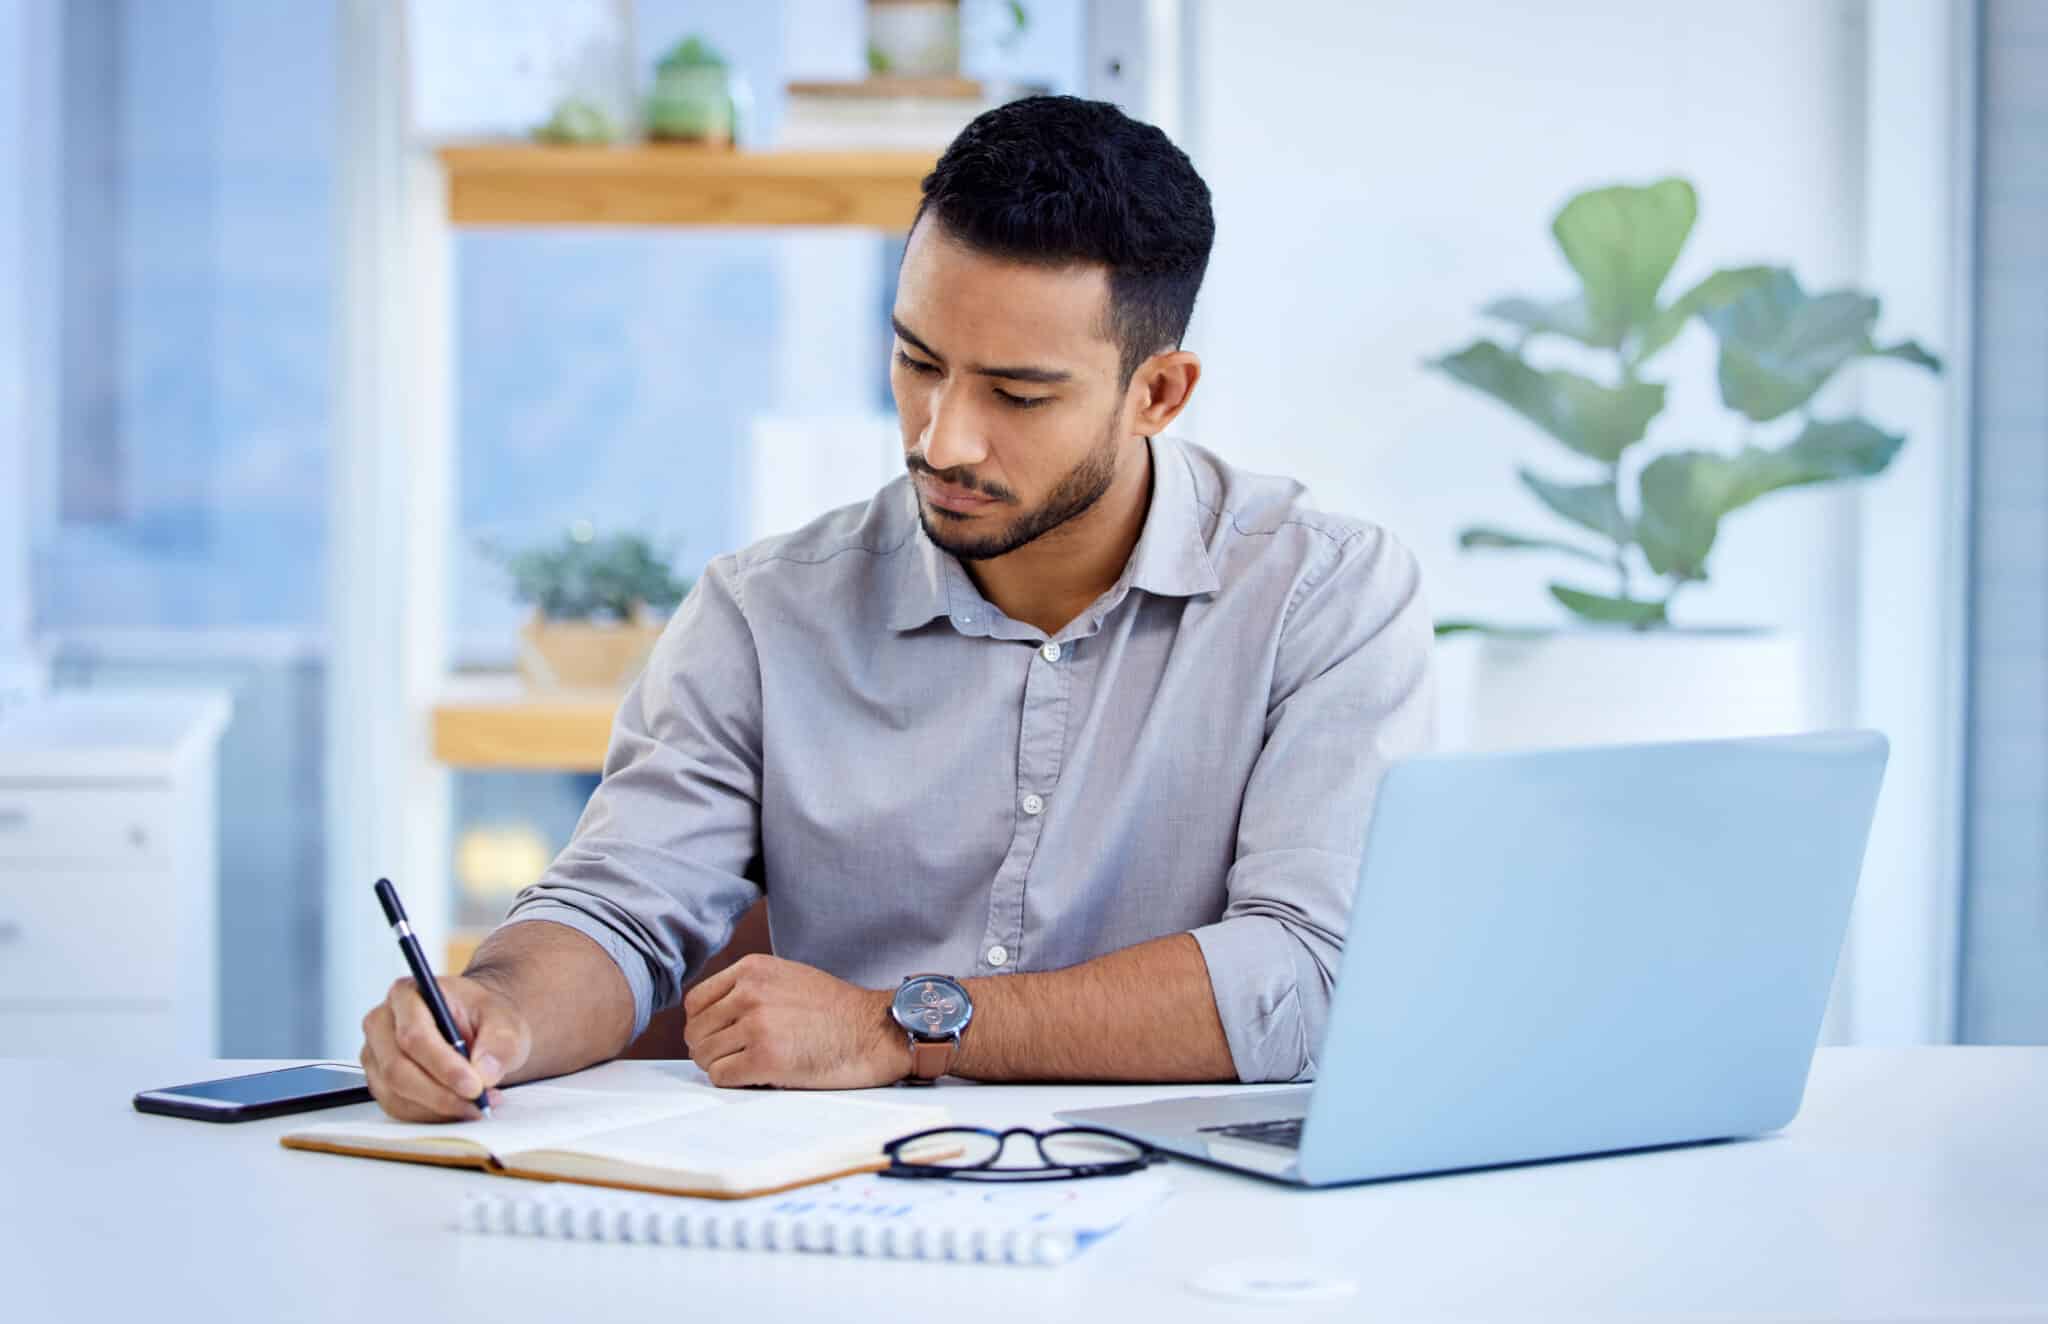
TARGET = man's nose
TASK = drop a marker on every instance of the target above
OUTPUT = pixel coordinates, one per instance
(952, 437)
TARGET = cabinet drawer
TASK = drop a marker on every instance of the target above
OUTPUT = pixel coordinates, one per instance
(85, 825)
(87, 934)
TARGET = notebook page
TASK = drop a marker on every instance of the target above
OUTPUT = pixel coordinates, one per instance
(526, 1117)
(763, 1129)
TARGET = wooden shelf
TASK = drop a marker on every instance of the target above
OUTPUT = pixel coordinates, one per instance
(461, 945)
(490, 722)
(516, 184)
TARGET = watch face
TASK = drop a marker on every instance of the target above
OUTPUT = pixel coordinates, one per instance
(932, 1006)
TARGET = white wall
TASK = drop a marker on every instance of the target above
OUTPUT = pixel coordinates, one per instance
(1381, 170)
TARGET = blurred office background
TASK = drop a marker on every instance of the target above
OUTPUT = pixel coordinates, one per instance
(264, 402)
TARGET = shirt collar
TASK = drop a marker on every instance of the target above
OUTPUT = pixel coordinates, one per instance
(1171, 558)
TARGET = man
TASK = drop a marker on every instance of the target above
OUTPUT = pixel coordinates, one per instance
(1079, 718)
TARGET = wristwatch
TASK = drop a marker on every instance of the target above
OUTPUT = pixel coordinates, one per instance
(933, 1010)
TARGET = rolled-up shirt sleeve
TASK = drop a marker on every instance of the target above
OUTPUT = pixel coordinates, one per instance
(1353, 691)
(665, 858)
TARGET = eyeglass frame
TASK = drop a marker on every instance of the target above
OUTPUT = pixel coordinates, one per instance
(984, 1171)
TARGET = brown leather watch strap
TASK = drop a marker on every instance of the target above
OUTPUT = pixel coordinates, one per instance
(929, 1058)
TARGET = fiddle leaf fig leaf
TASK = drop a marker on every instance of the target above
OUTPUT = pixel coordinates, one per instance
(1445, 629)
(1563, 317)
(1592, 506)
(1723, 287)
(1623, 242)
(1596, 421)
(1604, 610)
(1683, 495)
(1907, 351)
(1503, 540)
(1823, 452)
(1687, 494)
(1779, 345)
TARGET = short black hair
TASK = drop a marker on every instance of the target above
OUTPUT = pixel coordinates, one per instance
(1058, 180)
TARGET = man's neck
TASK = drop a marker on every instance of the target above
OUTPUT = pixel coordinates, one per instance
(1051, 580)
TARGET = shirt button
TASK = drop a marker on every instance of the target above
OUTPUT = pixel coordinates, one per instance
(1033, 804)
(1051, 652)
(998, 954)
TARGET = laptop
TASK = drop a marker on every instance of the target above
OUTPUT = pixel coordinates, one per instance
(1564, 953)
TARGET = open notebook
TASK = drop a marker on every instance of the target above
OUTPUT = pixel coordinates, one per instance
(678, 1140)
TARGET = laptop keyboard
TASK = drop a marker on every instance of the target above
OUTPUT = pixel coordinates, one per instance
(1284, 1133)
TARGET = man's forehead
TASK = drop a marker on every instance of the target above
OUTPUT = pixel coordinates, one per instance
(948, 290)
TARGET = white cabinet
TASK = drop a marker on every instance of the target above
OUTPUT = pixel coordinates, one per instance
(108, 883)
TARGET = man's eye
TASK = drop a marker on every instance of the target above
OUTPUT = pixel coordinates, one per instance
(1021, 401)
(915, 365)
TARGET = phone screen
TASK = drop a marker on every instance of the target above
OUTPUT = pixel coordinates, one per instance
(274, 1086)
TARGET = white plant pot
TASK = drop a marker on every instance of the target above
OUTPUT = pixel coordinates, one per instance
(1602, 687)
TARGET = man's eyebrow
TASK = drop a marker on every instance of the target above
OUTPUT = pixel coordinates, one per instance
(1044, 376)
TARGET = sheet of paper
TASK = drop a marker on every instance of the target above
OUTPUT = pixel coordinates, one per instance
(531, 1117)
(625, 1076)
(756, 1128)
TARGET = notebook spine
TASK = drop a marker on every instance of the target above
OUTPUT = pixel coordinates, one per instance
(724, 1229)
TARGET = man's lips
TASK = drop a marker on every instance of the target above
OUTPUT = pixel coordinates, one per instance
(951, 497)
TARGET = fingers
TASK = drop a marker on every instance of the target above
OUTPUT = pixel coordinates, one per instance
(419, 1041)
(500, 1045)
(395, 1083)
(422, 1098)
(737, 1066)
(709, 1048)
(713, 988)
(707, 1021)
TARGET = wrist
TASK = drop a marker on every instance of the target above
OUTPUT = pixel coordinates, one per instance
(890, 1051)
(494, 979)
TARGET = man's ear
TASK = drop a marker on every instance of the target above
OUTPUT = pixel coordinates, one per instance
(1162, 386)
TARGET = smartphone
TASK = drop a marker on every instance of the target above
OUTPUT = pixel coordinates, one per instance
(264, 1094)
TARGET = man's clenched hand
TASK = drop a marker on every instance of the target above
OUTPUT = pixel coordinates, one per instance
(767, 1021)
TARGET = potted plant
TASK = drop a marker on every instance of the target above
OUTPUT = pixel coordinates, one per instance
(577, 122)
(1643, 528)
(693, 96)
(594, 603)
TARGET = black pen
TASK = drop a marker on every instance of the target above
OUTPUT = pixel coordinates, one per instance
(423, 975)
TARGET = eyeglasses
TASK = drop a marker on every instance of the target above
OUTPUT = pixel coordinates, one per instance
(970, 1153)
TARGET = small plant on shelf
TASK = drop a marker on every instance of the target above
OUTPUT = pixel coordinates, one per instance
(584, 577)
(596, 605)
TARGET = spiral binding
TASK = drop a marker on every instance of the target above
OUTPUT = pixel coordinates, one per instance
(709, 1226)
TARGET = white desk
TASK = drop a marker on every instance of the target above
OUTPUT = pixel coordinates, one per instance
(1914, 1184)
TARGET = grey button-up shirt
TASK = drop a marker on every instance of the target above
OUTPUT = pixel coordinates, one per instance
(837, 717)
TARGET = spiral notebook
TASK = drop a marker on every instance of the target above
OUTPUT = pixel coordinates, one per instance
(1036, 1223)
